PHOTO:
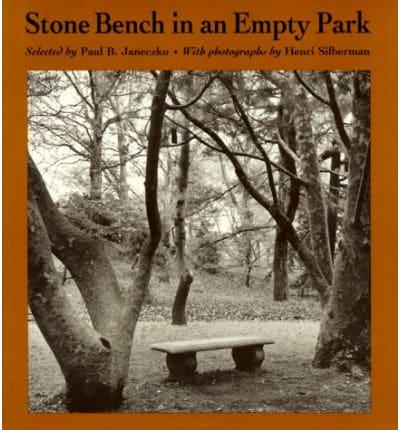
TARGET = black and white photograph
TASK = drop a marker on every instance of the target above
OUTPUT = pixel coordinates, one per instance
(199, 241)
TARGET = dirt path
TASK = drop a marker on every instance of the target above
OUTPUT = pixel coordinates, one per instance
(286, 382)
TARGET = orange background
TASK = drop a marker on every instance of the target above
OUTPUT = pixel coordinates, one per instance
(382, 62)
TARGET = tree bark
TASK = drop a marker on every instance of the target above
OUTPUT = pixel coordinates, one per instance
(123, 159)
(246, 221)
(334, 195)
(288, 134)
(316, 207)
(84, 355)
(185, 274)
(281, 285)
(344, 337)
(95, 168)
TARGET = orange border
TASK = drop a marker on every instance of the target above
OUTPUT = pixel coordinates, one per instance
(383, 63)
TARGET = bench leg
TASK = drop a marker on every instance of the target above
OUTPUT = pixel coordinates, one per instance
(181, 366)
(248, 357)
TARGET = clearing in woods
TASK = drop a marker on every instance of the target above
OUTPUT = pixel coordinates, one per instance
(285, 382)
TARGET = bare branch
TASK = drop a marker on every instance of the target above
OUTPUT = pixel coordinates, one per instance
(310, 90)
(288, 151)
(78, 90)
(194, 100)
(336, 111)
(242, 230)
(328, 153)
(253, 136)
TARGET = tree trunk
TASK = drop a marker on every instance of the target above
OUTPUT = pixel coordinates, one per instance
(123, 159)
(95, 168)
(344, 337)
(334, 189)
(246, 221)
(287, 132)
(281, 285)
(316, 207)
(185, 275)
(94, 360)
(345, 326)
(84, 355)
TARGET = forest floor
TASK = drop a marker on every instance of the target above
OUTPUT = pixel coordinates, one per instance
(223, 296)
(218, 305)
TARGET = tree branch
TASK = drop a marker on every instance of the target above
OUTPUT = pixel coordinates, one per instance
(328, 153)
(194, 100)
(242, 114)
(242, 230)
(336, 111)
(309, 89)
(78, 90)
(363, 185)
(288, 151)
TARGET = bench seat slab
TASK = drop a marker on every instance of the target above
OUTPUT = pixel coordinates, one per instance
(178, 347)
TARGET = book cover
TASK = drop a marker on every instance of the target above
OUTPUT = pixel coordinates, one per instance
(199, 214)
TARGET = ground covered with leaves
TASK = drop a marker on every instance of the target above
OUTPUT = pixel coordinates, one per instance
(286, 381)
(223, 296)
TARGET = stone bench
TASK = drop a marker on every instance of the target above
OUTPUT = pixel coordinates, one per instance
(247, 352)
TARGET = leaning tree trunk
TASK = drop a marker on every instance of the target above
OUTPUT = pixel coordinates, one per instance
(344, 337)
(94, 276)
(93, 358)
(185, 275)
(316, 208)
(84, 355)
